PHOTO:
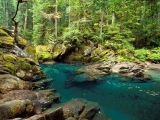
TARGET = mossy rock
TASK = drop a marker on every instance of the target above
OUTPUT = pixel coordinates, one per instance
(22, 42)
(55, 54)
(30, 61)
(78, 57)
(11, 67)
(25, 66)
(44, 56)
(6, 41)
(103, 53)
(125, 58)
(41, 48)
(31, 51)
(1, 57)
(95, 59)
(75, 57)
(3, 33)
(9, 58)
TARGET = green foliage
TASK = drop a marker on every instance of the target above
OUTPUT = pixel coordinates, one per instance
(27, 35)
(141, 54)
(44, 56)
(125, 25)
(154, 55)
(72, 37)
(147, 36)
(118, 38)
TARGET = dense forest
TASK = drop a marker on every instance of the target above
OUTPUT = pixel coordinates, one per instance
(131, 26)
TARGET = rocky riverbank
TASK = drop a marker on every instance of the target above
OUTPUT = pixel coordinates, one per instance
(99, 61)
(22, 93)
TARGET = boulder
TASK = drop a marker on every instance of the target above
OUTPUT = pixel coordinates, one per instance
(14, 108)
(80, 109)
(153, 67)
(91, 108)
(50, 114)
(42, 83)
(41, 100)
(9, 82)
(132, 70)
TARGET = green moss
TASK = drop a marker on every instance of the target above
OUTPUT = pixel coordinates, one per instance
(25, 66)
(44, 56)
(126, 58)
(32, 51)
(41, 48)
(55, 54)
(11, 67)
(29, 60)
(76, 57)
(3, 33)
(95, 59)
(6, 40)
(22, 41)
(103, 53)
(9, 57)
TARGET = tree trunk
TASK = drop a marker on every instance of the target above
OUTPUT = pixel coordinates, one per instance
(113, 18)
(143, 10)
(56, 11)
(16, 32)
(25, 17)
(159, 18)
(159, 13)
(69, 17)
(107, 19)
(16, 23)
(6, 12)
(101, 23)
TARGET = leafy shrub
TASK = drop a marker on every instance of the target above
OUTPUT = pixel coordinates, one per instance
(27, 35)
(72, 37)
(141, 54)
(154, 55)
(118, 38)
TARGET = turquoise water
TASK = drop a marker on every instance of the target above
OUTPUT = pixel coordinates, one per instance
(118, 99)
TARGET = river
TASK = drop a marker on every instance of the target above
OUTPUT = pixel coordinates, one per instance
(118, 99)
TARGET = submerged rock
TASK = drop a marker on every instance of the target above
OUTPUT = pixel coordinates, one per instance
(100, 116)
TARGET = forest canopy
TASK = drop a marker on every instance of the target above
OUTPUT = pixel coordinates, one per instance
(113, 23)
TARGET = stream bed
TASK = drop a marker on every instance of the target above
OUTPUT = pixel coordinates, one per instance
(118, 99)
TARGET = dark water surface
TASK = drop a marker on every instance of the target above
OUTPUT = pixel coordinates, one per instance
(118, 99)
